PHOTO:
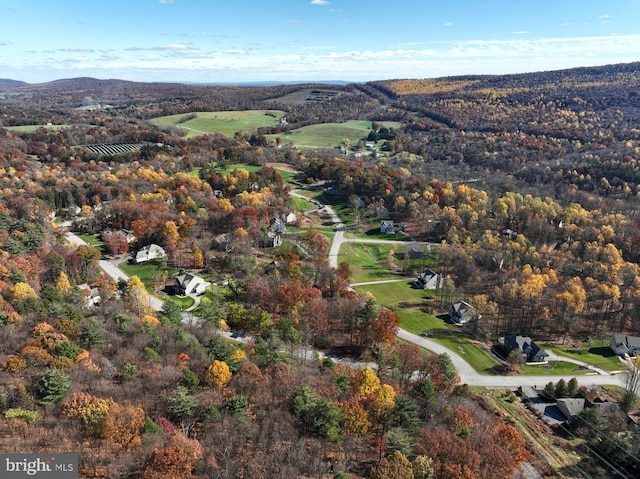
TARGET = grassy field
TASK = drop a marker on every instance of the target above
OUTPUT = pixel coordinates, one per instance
(397, 294)
(417, 322)
(552, 368)
(368, 261)
(223, 122)
(147, 271)
(92, 240)
(470, 352)
(600, 357)
(329, 135)
(299, 204)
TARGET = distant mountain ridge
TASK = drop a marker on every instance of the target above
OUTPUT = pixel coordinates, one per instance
(8, 83)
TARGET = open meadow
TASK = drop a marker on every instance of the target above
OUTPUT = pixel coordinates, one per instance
(329, 135)
(226, 123)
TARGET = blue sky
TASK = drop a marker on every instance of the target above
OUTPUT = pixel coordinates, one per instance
(300, 40)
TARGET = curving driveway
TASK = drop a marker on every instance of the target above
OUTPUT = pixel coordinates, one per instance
(468, 375)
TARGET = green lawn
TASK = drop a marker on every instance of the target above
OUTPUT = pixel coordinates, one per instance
(147, 271)
(368, 261)
(555, 368)
(600, 357)
(92, 240)
(223, 122)
(299, 204)
(473, 354)
(417, 322)
(329, 135)
(398, 295)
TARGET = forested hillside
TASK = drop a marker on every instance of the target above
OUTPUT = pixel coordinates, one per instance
(526, 186)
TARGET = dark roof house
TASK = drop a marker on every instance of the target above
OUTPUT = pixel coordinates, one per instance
(570, 406)
(531, 352)
(462, 312)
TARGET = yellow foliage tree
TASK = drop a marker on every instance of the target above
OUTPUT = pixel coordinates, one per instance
(368, 382)
(218, 374)
(62, 284)
(22, 291)
(170, 232)
(198, 257)
(137, 293)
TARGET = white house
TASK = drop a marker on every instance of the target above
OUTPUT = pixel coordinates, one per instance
(147, 253)
(386, 226)
(91, 295)
(187, 284)
(428, 280)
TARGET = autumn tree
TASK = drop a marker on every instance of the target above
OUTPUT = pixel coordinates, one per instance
(137, 294)
(62, 283)
(394, 466)
(218, 374)
(90, 410)
(123, 425)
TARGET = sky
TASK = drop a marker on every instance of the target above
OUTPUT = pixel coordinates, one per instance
(220, 41)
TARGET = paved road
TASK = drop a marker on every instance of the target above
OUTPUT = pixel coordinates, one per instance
(113, 271)
(468, 375)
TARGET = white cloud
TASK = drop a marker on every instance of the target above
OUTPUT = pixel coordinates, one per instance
(183, 62)
(521, 32)
(166, 2)
(76, 50)
(319, 2)
(447, 24)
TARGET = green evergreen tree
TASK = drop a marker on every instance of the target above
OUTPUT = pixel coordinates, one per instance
(51, 386)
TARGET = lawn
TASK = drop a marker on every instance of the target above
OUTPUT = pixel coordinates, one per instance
(417, 322)
(374, 233)
(368, 261)
(226, 123)
(397, 294)
(329, 135)
(299, 204)
(147, 271)
(470, 352)
(600, 357)
(92, 240)
(552, 368)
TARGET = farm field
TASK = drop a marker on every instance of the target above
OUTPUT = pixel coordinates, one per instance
(223, 122)
(329, 135)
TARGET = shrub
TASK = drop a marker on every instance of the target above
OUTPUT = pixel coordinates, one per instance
(19, 413)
